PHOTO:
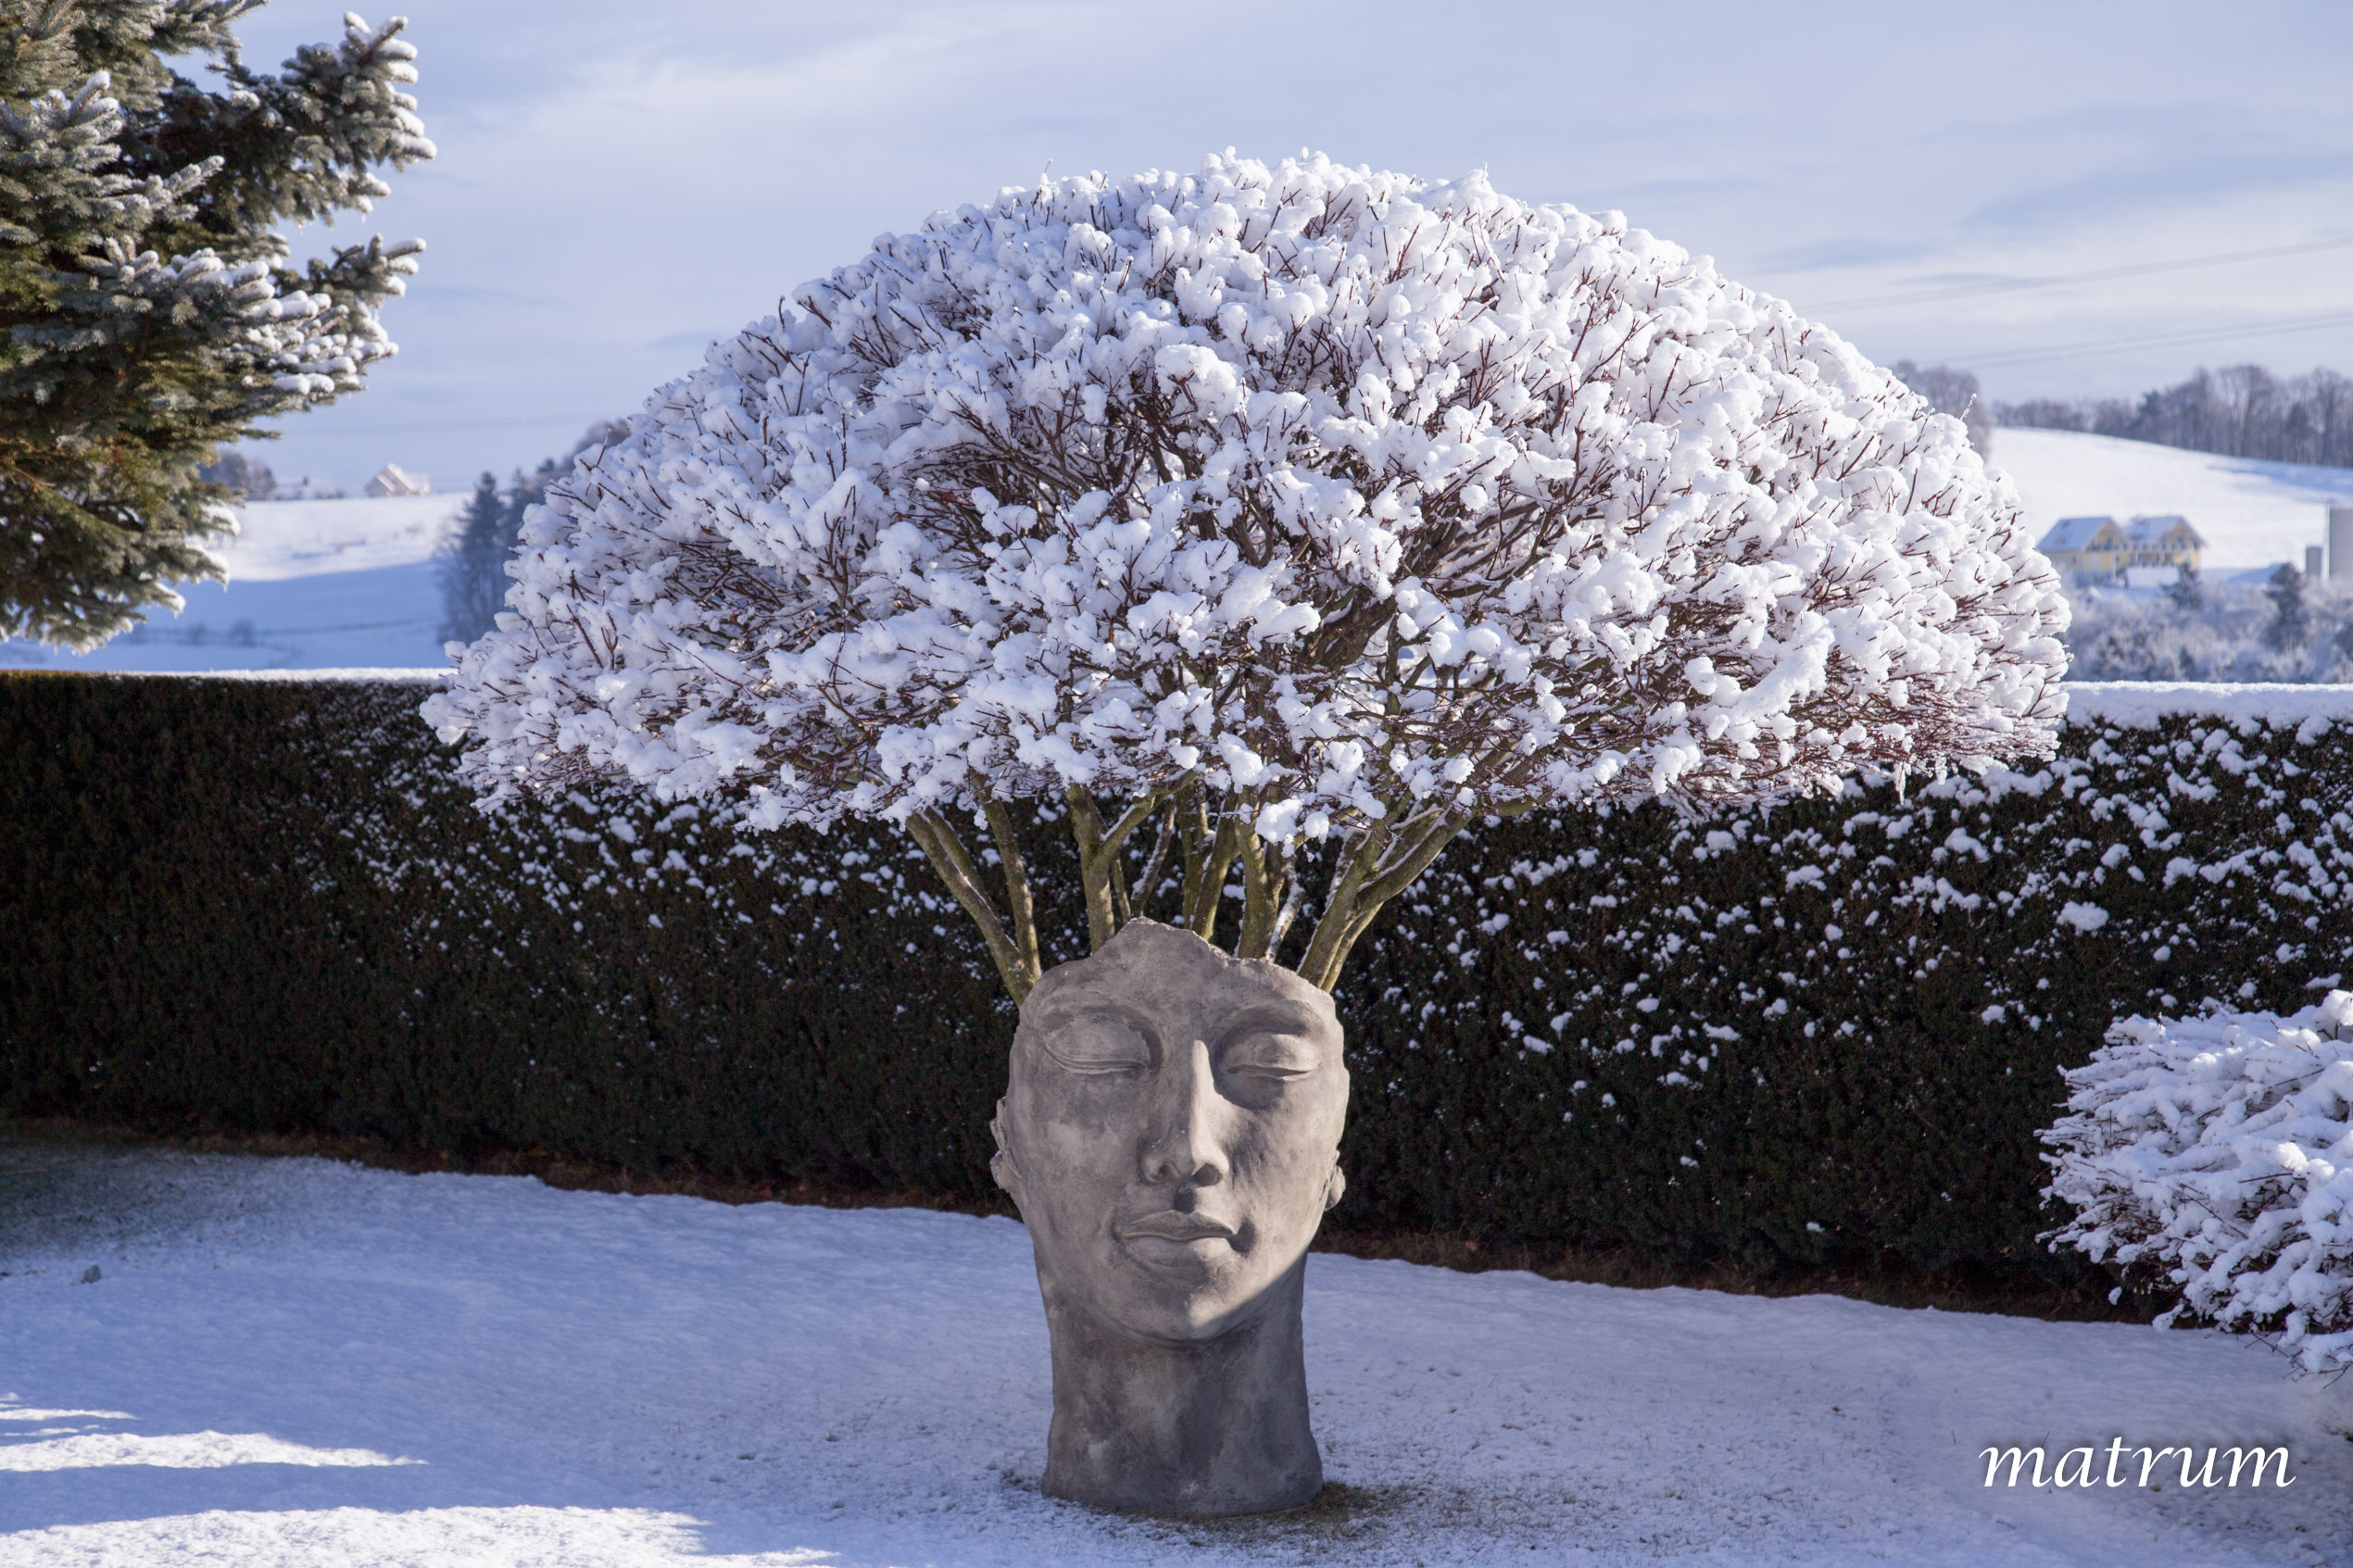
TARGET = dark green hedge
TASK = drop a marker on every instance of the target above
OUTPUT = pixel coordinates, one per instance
(265, 906)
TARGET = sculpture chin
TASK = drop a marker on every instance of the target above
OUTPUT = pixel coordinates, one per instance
(1179, 1293)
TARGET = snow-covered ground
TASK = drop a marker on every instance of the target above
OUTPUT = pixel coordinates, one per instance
(295, 1362)
(2252, 512)
(312, 585)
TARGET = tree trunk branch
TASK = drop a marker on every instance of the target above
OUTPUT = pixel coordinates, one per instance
(936, 837)
(1018, 893)
(1206, 888)
(1380, 866)
(1265, 868)
(1094, 870)
(1402, 875)
(1358, 859)
(1098, 867)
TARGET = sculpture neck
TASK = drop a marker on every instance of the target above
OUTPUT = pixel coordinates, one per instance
(1219, 1425)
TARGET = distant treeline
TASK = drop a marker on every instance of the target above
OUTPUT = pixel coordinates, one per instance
(473, 560)
(249, 477)
(2240, 411)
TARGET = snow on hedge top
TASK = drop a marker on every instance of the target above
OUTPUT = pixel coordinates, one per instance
(374, 676)
(2142, 704)
(2217, 1152)
(1354, 493)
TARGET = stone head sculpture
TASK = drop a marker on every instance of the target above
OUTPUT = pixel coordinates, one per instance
(1171, 1135)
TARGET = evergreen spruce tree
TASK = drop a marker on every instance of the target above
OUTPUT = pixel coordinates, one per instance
(473, 562)
(149, 311)
(2291, 625)
(474, 580)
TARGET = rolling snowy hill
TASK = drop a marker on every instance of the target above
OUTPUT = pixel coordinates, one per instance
(349, 584)
(2253, 513)
(312, 585)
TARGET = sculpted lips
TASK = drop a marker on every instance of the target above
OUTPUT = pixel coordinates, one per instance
(1181, 1229)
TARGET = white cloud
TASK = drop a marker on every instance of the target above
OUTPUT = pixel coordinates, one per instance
(618, 182)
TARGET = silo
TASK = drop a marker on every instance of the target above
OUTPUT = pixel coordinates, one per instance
(2340, 542)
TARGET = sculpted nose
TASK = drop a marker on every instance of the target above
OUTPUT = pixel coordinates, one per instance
(1187, 1148)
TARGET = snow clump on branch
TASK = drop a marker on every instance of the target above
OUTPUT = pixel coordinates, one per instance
(1343, 492)
(2215, 1156)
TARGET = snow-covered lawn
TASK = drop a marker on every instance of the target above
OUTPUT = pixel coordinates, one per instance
(301, 1362)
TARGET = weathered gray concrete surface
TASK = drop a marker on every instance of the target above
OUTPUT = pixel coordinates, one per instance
(1171, 1134)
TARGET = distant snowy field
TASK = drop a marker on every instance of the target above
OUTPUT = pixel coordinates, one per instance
(296, 1362)
(2252, 512)
(350, 585)
(312, 585)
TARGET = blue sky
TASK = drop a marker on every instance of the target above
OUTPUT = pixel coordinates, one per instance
(620, 182)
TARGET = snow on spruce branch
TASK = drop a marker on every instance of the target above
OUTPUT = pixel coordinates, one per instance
(295, 345)
(2215, 1156)
(1342, 492)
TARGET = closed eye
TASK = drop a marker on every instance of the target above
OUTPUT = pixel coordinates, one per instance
(1272, 1055)
(1099, 1045)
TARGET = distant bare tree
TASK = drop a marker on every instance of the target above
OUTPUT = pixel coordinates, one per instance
(1952, 392)
(2042, 413)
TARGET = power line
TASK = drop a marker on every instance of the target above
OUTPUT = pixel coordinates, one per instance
(2100, 274)
(2161, 340)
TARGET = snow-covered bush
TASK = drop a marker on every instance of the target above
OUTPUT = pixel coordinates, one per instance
(1273, 503)
(2228, 631)
(2215, 1156)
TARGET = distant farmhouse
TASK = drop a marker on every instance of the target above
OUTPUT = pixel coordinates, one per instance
(2092, 549)
(390, 481)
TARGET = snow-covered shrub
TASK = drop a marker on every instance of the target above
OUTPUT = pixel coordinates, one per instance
(2215, 1156)
(2225, 631)
(1280, 505)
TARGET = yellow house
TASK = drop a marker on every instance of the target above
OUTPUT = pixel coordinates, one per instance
(2101, 547)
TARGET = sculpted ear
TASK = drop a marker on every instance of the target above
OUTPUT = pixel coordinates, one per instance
(1000, 1164)
(1335, 1186)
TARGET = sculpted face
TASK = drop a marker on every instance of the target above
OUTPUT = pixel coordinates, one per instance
(1172, 1131)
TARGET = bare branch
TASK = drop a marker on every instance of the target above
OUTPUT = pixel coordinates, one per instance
(1424, 844)
(936, 837)
(1017, 895)
(1155, 867)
